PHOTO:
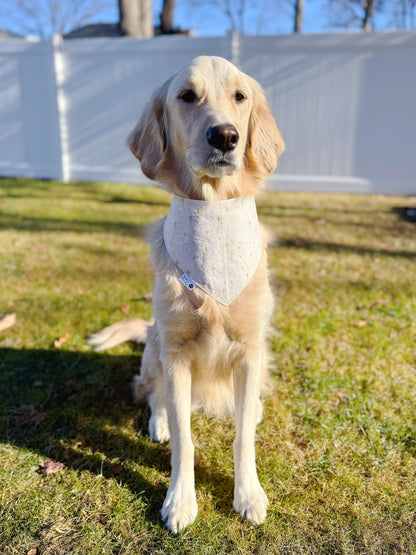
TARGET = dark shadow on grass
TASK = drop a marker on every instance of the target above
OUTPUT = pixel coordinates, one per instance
(124, 200)
(405, 213)
(24, 188)
(300, 243)
(77, 408)
(364, 223)
(76, 226)
(68, 406)
(311, 211)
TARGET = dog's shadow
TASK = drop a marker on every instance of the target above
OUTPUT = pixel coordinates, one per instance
(77, 408)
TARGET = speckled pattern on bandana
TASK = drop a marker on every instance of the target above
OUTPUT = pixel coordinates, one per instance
(217, 245)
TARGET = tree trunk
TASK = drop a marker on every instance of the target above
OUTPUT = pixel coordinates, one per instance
(298, 15)
(166, 17)
(136, 18)
(368, 6)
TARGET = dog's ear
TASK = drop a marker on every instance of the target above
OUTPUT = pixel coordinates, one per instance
(265, 143)
(148, 140)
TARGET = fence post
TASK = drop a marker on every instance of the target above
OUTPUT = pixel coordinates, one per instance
(234, 47)
(59, 68)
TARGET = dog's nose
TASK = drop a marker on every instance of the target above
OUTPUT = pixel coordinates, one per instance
(223, 137)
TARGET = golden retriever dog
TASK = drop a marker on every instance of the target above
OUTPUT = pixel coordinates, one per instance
(207, 136)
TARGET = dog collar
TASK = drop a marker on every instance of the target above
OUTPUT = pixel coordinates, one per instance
(217, 245)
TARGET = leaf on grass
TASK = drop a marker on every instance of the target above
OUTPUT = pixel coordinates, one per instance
(125, 309)
(375, 304)
(360, 323)
(34, 551)
(197, 460)
(117, 469)
(37, 248)
(59, 342)
(7, 321)
(148, 297)
(49, 467)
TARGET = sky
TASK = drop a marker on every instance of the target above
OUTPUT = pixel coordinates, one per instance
(262, 16)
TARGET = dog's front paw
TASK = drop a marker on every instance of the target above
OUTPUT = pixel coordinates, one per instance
(179, 509)
(159, 428)
(251, 503)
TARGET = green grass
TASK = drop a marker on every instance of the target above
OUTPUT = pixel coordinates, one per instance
(336, 451)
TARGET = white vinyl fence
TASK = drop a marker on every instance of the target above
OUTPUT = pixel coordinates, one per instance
(345, 104)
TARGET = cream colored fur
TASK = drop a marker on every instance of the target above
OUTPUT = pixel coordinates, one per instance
(200, 353)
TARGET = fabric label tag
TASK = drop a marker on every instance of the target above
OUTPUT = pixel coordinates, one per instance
(186, 280)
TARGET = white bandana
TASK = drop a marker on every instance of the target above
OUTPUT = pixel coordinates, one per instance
(216, 245)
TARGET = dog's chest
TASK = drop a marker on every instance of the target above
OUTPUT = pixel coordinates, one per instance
(217, 246)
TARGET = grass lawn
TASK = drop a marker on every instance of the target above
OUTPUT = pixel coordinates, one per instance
(336, 451)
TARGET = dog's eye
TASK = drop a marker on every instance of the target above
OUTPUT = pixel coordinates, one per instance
(188, 96)
(239, 96)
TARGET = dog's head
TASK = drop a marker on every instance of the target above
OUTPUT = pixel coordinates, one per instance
(208, 121)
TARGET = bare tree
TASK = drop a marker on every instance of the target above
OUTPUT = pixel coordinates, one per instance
(245, 16)
(166, 17)
(136, 18)
(404, 14)
(44, 18)
(299, 5)
(353, 13)
(233, 12)
(368, 13)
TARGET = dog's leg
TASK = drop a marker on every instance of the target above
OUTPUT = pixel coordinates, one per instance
(180, 507)
(158, 423)
(149, 386)
(249, 498)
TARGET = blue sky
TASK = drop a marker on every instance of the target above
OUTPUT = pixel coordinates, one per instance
(262, 16)
(267, 16)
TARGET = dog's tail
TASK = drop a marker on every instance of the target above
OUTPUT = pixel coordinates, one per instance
(131, 329)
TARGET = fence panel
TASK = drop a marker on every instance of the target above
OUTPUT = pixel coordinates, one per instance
(29, 122)
(107, 84)
(344, 104)
(346, 108)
